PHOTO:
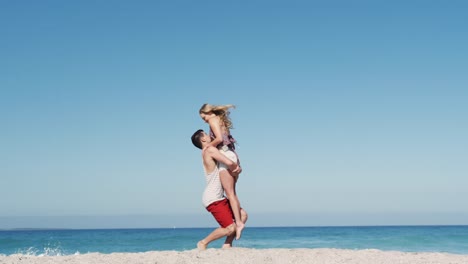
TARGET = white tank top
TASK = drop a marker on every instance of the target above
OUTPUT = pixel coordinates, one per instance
(214, 190)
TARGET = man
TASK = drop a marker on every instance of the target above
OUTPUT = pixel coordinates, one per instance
(213, 196)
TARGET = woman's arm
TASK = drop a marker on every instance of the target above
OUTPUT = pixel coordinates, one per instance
(215, 126)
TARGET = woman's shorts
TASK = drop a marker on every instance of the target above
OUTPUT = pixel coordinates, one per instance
(230, 155)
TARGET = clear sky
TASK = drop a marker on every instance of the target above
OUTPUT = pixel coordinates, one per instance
(348, 112)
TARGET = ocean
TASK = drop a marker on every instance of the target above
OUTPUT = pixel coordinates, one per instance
(450, 239)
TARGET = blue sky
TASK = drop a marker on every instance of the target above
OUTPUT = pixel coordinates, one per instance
(348, 112)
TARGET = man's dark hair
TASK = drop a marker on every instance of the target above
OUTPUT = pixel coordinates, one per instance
(196, 138)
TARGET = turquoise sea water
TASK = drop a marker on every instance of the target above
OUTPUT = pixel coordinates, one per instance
(451, 239)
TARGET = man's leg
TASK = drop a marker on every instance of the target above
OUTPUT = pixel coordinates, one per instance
(216, 234)
(230, 238)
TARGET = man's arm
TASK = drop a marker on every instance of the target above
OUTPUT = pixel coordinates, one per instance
(216, 155)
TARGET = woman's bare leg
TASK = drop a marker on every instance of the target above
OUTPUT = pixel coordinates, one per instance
(230, 238)
(229, 185)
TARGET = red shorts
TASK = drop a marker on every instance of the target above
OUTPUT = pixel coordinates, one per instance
(222, 212)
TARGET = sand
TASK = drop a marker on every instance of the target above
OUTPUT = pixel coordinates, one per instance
(245, 255)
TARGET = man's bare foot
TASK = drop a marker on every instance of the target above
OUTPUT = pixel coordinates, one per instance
(239, 229)
(201, 245)
(226, 246)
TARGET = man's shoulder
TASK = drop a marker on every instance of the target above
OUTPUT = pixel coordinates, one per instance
(210, 149)
(210, 152)
(209, 155)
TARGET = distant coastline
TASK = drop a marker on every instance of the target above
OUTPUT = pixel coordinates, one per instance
(35, 229)
(184, 227)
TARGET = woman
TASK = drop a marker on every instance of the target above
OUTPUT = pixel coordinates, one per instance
(217, 116)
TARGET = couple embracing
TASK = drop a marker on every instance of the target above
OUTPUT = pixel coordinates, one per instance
(222, 168)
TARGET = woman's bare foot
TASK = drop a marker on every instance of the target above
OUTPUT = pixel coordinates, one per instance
(201, 245)
(239, 229)
(226, 246)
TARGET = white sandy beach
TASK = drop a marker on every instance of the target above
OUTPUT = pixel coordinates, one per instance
(245, 255)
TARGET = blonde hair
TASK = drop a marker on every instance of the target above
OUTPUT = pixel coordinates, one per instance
(219, 110)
